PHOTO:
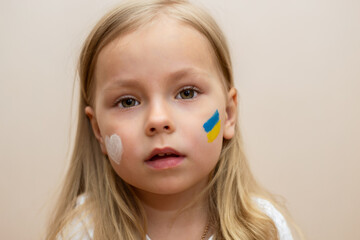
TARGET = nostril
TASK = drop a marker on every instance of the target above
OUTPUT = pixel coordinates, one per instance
(164, 128)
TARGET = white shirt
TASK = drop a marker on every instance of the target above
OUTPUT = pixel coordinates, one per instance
(81, 229)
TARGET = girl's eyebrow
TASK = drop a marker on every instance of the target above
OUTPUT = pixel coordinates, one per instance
(122, 82)
(185, 72)
(174, 76)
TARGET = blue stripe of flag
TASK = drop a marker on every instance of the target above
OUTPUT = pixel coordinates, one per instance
(208, 126)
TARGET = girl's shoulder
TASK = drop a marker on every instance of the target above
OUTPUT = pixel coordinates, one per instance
(279, 220)
(81, 226)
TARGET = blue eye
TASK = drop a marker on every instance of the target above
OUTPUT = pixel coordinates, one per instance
(127, 102)
(187, 93)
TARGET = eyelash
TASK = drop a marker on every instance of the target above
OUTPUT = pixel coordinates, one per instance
(120, 100)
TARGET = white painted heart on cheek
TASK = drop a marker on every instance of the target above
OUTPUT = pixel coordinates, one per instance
(114, 147)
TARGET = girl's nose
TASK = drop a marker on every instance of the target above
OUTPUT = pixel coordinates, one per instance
(159, 121)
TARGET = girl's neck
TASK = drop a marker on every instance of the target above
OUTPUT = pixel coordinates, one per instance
(171, 216)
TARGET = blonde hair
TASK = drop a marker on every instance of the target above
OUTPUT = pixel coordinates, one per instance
(115, 210)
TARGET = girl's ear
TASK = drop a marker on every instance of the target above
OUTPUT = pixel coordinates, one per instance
(231, 113)
(95, 127)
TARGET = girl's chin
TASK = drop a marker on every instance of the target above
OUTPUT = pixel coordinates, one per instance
(171, 188)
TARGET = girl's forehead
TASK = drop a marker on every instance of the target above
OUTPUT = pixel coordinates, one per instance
(158, 25)
(163, 46)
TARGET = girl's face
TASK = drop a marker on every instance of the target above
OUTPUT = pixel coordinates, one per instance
(155, 89)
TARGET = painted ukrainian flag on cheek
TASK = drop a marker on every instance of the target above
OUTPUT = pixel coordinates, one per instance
(212, 127)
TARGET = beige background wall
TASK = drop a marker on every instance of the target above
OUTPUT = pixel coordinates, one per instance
(297, 68)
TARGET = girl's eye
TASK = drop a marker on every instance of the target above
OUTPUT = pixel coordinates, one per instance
(187, 93)
(128, 102)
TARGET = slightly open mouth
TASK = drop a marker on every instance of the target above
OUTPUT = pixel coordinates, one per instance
(161, 156)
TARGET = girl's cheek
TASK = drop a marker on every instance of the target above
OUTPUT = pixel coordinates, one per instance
(114, 147)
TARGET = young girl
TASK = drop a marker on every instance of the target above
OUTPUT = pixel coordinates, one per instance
(158, 151)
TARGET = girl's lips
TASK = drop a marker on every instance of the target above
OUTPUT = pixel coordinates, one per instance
(165, 162)
(164, 158)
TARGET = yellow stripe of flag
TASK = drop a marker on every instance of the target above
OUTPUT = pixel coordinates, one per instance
(214, 132)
